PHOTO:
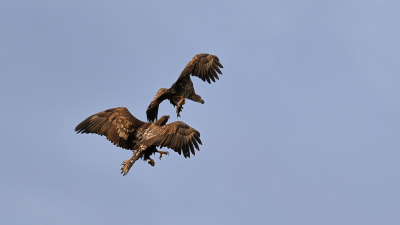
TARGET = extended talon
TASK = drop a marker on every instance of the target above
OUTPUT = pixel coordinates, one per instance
(151, 162)
(178, 110)
(126, 165)
(180, 107)
(163, 152)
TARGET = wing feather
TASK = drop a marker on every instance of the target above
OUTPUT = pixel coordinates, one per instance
(177, 136)
(215, 74)
(163, 139)
(179, 144)
(152, 109)
(183, 146)
(117, 124)
(203, 65)
(190, 144)
(195, 145)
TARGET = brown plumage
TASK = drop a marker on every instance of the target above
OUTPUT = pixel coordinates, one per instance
(204, 66)
(125, 131)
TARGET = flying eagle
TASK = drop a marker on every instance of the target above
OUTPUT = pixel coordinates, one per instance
(126, 131)
(204, 66)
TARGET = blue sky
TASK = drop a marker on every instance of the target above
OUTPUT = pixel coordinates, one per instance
(302, 128)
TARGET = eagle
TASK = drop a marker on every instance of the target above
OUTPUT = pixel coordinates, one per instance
(203, 65)
(125, 131)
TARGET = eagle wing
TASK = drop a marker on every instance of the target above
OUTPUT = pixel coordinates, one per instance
(203, 65)
(177, 135)
(152, 109)
(117, 124)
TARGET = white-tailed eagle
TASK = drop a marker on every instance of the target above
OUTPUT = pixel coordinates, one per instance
(205, 66)
(125, 131)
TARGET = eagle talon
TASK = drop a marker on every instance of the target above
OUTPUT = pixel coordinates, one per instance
(126, 165)
(151, 162)
(178, 112)
(179, 107)
(163, 152)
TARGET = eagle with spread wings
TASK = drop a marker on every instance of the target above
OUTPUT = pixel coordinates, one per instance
(205, 66)
(125, 131)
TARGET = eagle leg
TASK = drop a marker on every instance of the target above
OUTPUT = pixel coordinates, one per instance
(151, 162)
(162, 152)
(180, 107)
(126, 166)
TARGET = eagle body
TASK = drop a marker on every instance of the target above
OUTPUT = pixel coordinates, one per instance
(184, 87)
(125, 131)
(205, 66)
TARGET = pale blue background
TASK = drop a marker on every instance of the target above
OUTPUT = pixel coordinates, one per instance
(302, 128)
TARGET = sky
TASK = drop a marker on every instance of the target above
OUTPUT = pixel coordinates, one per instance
(302, 127)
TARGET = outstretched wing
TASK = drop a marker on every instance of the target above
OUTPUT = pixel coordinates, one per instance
(116, 124)
(177, 135)
(152, 109)
(204, 66)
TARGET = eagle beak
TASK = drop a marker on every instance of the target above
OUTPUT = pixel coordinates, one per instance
(201, 101)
